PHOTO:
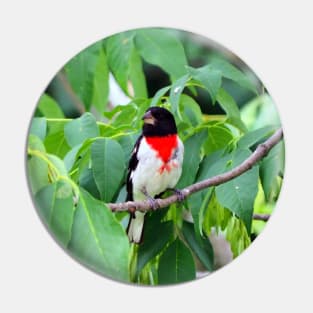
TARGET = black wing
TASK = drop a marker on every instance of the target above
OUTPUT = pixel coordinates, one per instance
(131, 167)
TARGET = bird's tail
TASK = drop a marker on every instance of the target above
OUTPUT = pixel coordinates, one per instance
(135, 227)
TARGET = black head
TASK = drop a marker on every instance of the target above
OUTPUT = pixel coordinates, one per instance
(158, 122)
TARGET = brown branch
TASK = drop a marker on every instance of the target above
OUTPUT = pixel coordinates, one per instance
(257, 155)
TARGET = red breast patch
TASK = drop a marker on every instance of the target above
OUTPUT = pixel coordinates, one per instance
(164, 145)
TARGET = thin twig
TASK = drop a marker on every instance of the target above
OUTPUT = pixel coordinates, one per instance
(261, 217)
(257, 155)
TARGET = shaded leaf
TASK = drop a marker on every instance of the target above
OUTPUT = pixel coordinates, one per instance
(136, 76)
(271, 167)
(238, 194)
(200, 246)
(108, 165)
(155, 237)
(119, 50)
(80, 71)
(219, 136)
(229, 105)
(87, 181)
(231, 72)
(198, 202)
(209, 77)
(71, 156)
(176, 264)
(191, 162)
(100, 90)
(254, 137)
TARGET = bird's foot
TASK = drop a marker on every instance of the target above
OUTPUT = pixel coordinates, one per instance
(153, 203)
(180, 195)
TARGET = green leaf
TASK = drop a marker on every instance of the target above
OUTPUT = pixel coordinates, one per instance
(190, 110)
(253, 137)
(136, 75)
(229, 105)
(209, 77)
(38, 127)
(56, 206)
(191, 162)
(108, 165)
(81, 129)
(98, 240)
(152, 245)
(219, 136)
(87, 181)
(176, 264)
(37, 169)
(80, 72)
(211, 165)
(125, 116)
(158, 95)
(231, 72)
(201, 247)
(119, 50)
(49, 107)
(238, 194)
(58, 164)
(176, 91)
(55, 143)
(215, 216)
(271, 167)
(71, 156)
(159, 47)
(100, 83)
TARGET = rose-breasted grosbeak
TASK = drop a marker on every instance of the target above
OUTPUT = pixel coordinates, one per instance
(155, 164)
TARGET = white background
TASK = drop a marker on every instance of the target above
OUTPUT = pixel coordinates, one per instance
(274, 38)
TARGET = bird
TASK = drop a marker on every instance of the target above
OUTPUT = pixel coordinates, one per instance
(155, 165)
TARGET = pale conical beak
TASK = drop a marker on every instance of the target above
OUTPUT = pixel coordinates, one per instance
(148, 118)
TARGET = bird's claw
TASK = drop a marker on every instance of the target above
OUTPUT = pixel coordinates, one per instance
(153, 203)
(180, 195)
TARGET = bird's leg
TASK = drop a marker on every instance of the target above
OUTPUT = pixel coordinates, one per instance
(178, 193)
(152, 201)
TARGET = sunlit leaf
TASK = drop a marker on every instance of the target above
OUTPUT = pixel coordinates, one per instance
(98, 240)
(38, 127)
(49, 107)
(159, 47)
(81, 129)
(56, 206)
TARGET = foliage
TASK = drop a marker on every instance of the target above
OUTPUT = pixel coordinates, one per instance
(77, 165)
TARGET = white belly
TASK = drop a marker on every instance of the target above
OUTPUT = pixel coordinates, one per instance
(152, 174)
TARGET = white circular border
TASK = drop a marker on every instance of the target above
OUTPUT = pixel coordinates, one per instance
(36, 275)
